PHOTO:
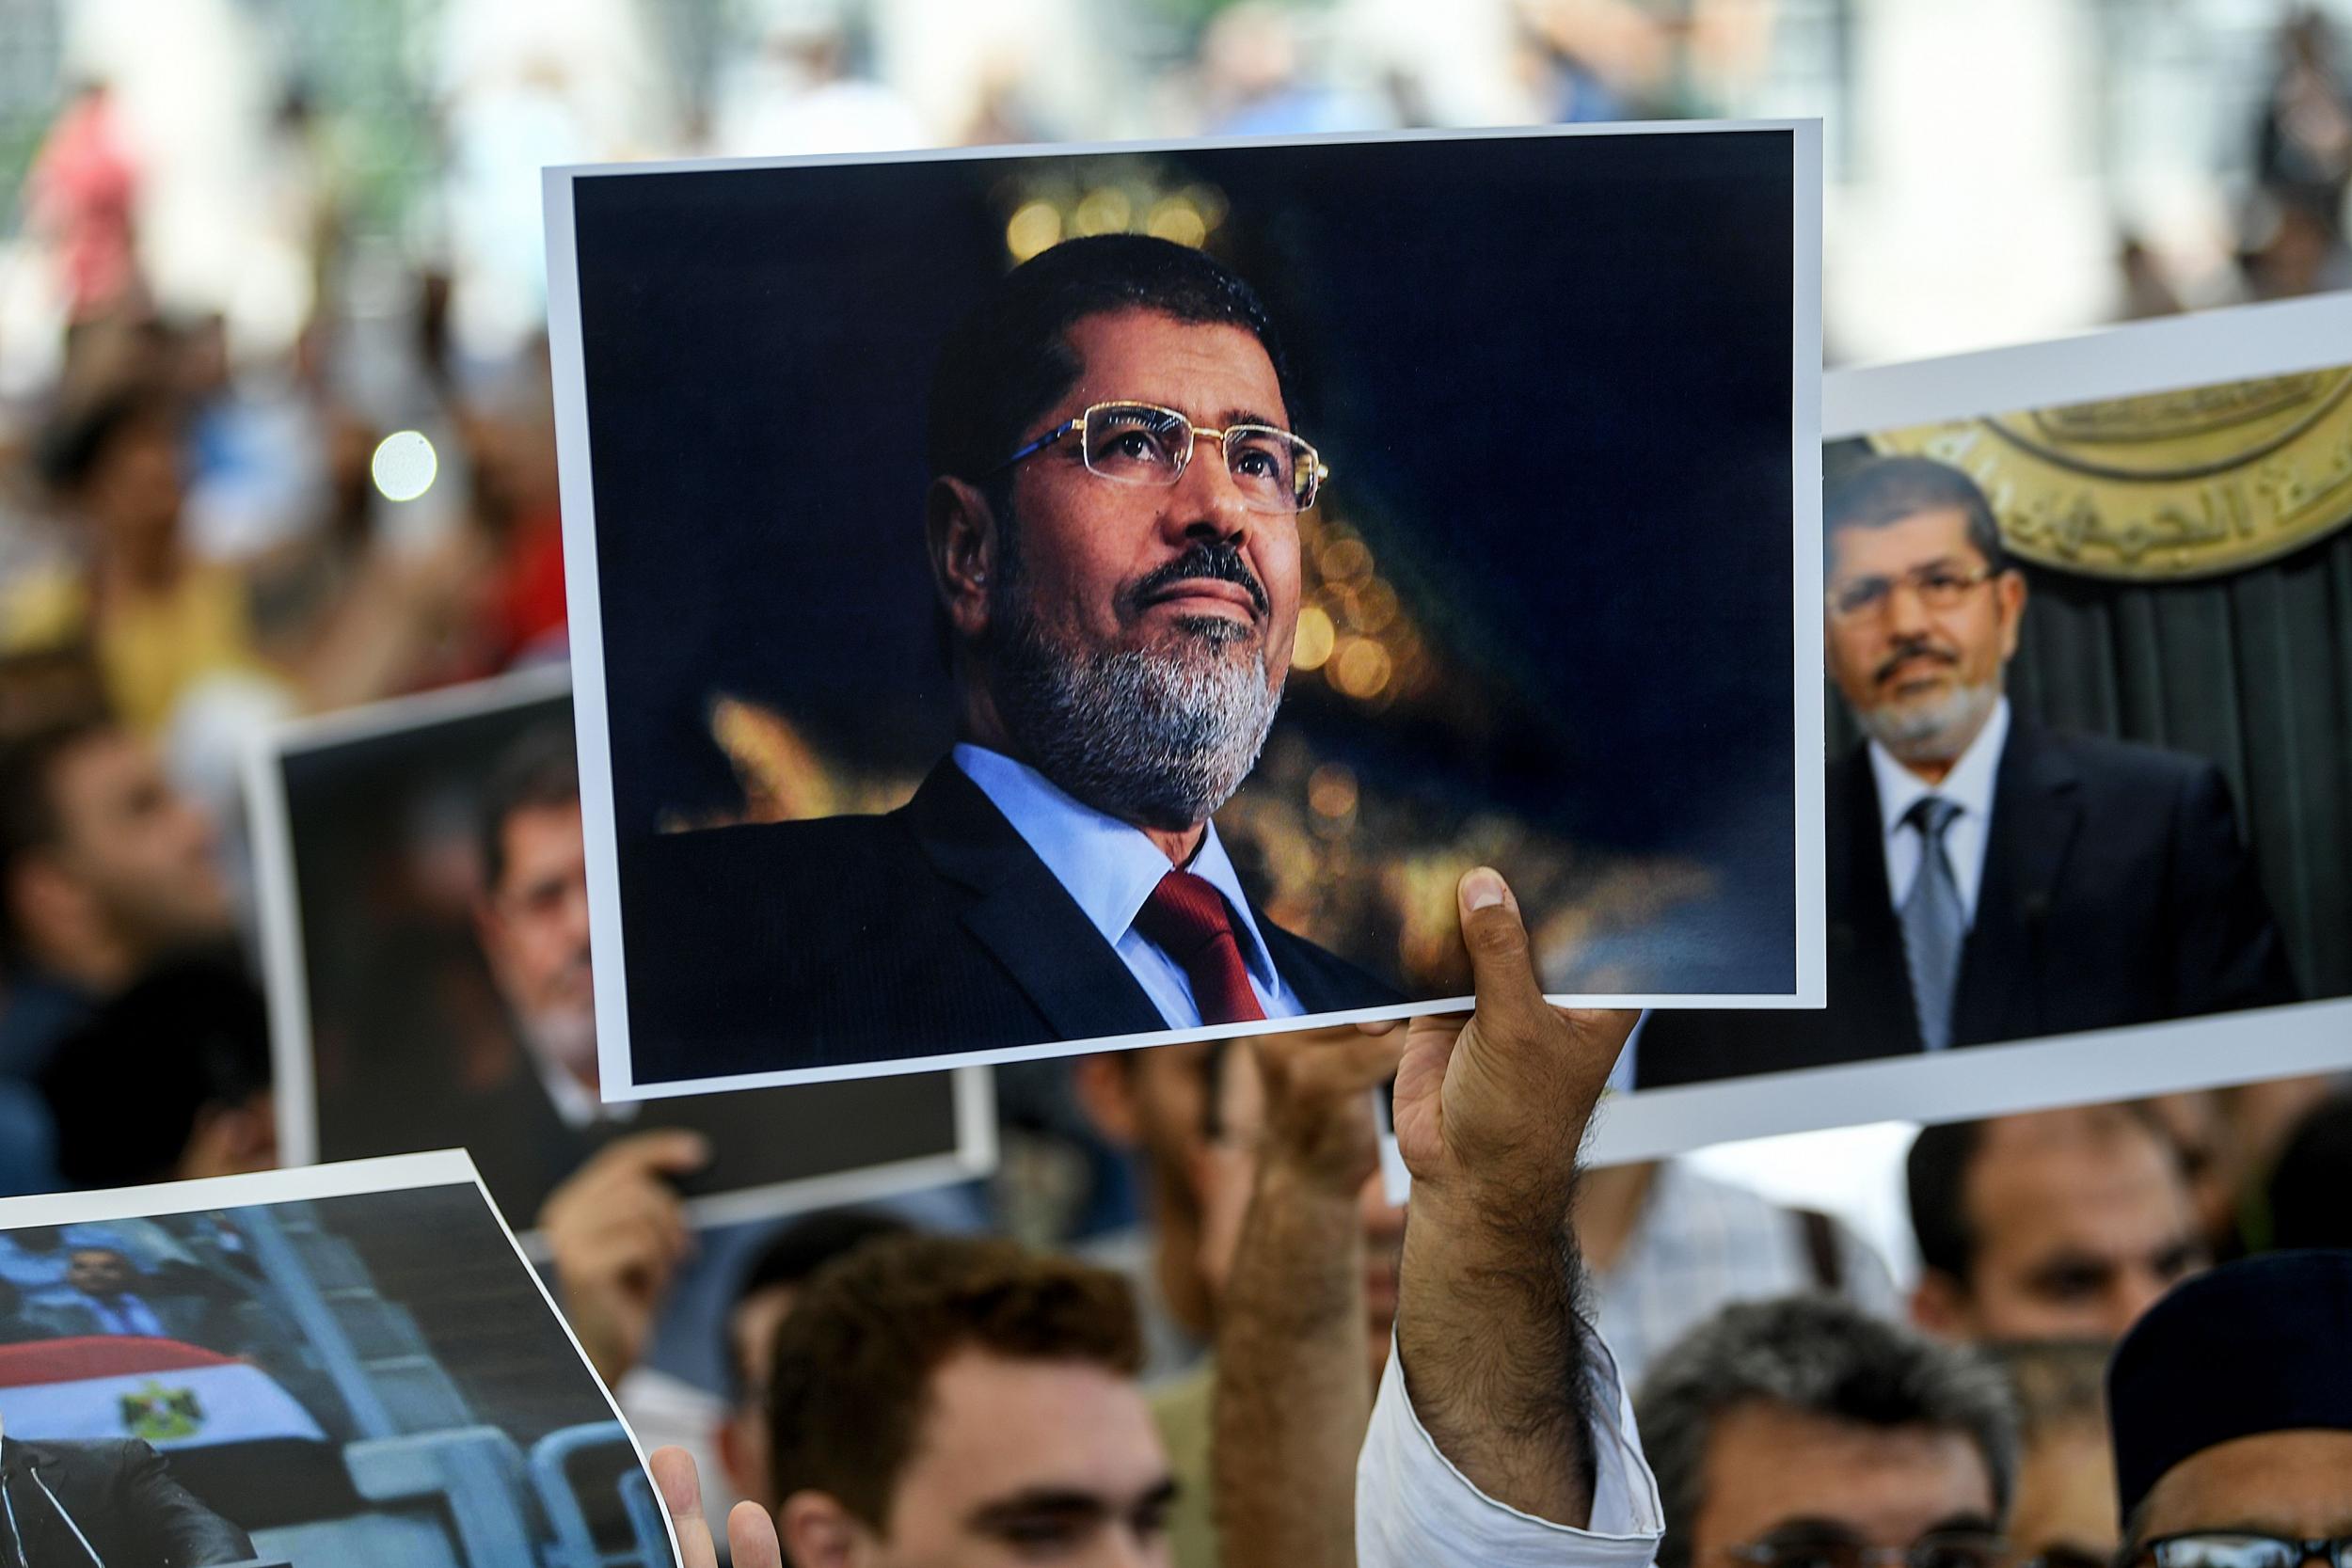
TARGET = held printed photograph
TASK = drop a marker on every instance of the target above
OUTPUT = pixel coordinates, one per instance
(350, 1363)
(424, 899)
(2090, 762)
(1026, 604)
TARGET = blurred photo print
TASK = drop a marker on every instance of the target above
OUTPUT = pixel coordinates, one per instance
(1026, 603)
(424, 904)
(348, 1364)
(2087, 616)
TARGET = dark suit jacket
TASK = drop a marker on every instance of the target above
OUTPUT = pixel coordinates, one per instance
(124, 1499)
(934, 928)
(2116, 891)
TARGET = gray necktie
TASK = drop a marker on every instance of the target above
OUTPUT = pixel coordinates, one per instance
(1935, 924)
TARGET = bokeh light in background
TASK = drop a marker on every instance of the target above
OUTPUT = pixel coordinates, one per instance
(404, 466)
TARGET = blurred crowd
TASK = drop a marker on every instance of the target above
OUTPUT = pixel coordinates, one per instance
(219, 516)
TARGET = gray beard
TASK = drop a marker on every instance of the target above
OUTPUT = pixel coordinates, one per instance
(1937, 733)
(1160, 739)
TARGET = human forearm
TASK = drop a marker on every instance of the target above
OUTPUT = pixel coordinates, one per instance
(1292, 1395)
(1493, 1352)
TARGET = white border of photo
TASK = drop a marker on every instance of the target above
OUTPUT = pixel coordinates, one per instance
(618, 1070)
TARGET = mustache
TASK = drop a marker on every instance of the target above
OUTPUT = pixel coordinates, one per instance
(1911, 649)
(1217, 563)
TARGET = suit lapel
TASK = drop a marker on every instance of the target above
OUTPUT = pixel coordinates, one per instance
(2036, 808)
(1023, 916)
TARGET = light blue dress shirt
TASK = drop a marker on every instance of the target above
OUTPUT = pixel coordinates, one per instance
(1109, 868)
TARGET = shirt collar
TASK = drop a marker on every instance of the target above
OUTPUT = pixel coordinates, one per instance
(1108, 867)
(1968, 786)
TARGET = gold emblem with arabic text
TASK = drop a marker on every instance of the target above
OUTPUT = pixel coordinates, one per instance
(2168, 486)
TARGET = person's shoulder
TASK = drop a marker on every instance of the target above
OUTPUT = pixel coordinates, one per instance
(2126, 762)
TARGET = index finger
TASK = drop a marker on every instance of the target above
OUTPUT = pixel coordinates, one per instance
(681, 1492)
(667, 1150)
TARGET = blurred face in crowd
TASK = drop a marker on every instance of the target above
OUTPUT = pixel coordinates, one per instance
(101, 1271)
(1920, 673)
(132, 873)
(1798, 1483)
(1230, 1176)
(2297, 1485)
(2080, 1220)
(1016, 1462)
(1137, 635)
(743, 1436)
(534, 930)
(1156, 1100)
(2064, 1511)
(133, 492)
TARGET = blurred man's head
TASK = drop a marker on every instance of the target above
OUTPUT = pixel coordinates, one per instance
(2058, 1224)
(532, 911)
(118, 461)
(2064, 1516)
(1786, 1433)
(1922, 608)
(1121, 590)
(1236, 1122)
(763, 1296)
(104, 866)
(101, 1271)
(2232, 1408)
(1154, 1102)
(956, 1403)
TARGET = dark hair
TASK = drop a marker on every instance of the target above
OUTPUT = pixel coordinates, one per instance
(540, 770)
(1009, 359)
(1819, 1355)
(854, 1358)
(1886, 490)
(126, 1089)
(2306, 1186)
(80, 439)
(796, 1250)
(29, 821)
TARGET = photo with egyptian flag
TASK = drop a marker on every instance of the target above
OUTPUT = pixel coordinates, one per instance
(2088, 626)
(342, 1363)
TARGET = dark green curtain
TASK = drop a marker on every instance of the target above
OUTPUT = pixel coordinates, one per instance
(2253, 671)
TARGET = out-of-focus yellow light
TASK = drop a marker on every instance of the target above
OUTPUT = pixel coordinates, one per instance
(1345, 559)
(1037, 225)
(1208, 201)
(1174, 218)
(1312, 644)
(1331, 790)
(1375, 606)
(1362, 668)
(1104, 211)
(404, 466)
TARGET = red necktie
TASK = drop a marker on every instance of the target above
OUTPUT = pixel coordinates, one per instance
(1186, 918)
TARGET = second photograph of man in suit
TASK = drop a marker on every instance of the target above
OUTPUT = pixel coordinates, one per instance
(1048, 601)
(2090, 756)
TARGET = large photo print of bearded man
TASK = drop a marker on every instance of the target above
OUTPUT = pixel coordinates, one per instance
(1027, 604)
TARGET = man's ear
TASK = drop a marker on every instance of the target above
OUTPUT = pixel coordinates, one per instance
(1105, 1087)
(960, 532)
(46, 903)
(816, 1532)
(1939, 1304)
(2011, 586)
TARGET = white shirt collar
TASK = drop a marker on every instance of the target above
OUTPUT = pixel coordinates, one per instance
(1107, 866)
(1968, 786)
(576, 1105)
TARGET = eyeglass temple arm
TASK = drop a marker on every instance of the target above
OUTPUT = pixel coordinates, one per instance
(1040, 443)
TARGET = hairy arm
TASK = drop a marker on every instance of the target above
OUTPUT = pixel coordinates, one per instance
(1292, 1393)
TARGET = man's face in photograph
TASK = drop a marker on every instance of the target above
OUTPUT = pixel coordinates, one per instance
(100, 1272)
(1922, 665)
(1137, 634)
(534, 930)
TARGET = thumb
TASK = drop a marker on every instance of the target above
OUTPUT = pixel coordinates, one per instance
(1502, 969)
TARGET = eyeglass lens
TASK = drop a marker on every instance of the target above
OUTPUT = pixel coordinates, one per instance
(1142, 445)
